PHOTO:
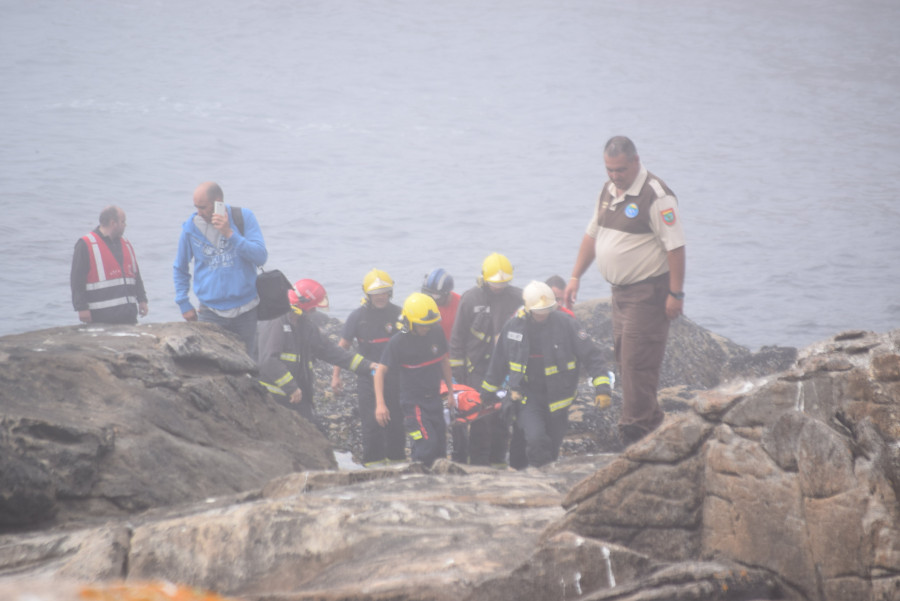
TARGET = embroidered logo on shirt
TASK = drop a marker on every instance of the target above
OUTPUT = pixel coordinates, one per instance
(631, 211)
(668, 216)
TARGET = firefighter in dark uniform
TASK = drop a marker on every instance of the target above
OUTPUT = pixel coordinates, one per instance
(481, 314)
(372, 325)
(419, 356)
(541, 350)
(289, 344)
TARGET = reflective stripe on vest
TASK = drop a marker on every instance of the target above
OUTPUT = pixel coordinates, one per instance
(357, 359)
(105, 275)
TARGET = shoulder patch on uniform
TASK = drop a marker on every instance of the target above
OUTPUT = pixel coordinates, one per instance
(668, 216)
(657, 187)
(517, 336)
(582, 334)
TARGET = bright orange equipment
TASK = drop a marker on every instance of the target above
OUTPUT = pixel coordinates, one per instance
(468, 405)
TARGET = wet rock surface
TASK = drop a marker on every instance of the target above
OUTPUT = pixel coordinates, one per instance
(104, 421)
(794, 475)
(779, 485)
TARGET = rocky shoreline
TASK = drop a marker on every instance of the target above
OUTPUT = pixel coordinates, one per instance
(149, 453)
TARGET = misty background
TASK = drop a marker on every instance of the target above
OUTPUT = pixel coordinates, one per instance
(407, 135)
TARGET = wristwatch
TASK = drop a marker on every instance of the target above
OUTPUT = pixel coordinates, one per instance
(676, 295)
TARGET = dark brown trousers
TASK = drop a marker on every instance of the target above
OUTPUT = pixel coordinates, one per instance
(640, 329)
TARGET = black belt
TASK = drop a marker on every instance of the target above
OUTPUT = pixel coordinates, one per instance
(652, 280)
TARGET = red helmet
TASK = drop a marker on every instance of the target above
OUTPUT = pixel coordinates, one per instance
(308, 295)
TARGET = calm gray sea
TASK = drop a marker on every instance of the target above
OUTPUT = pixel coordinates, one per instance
(407, 135)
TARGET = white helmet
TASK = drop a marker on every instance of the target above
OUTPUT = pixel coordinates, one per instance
(538, 296)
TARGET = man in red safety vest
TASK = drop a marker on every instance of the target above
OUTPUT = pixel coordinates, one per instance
(105, 279)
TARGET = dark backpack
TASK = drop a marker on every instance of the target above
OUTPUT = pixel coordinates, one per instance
(271, 286)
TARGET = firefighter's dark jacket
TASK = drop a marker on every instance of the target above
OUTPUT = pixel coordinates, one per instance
(479, 318)
(288, 345)
(565, 347)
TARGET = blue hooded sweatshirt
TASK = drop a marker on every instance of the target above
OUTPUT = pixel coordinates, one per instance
(224, 278)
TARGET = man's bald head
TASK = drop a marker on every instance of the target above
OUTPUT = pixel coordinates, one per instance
(205, 197)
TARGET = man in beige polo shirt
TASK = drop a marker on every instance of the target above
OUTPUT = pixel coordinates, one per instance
(636, 237)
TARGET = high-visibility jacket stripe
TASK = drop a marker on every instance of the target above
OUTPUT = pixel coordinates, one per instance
(280, 382)
(600, 380)
(272, 389)
(480, 335)
(556, 406)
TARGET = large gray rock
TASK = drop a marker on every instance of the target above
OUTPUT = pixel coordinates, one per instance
(783, 487)
(795, 475)
(408, 531)
(695, 357)
(104, 421)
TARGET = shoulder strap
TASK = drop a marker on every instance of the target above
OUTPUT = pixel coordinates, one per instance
(237, 215)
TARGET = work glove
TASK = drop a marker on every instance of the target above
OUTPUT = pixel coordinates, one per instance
(510, 405)
(602, 398)
(603, 391)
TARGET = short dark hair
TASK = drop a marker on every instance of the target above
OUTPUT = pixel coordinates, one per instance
(556, 281)
(619, 145)
(109, 214)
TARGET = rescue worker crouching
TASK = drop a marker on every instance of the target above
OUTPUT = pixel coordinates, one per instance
(372, 325)
(541, 350)
(289, 344)
(418, 354)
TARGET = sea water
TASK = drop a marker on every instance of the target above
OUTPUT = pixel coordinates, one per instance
(407, 135)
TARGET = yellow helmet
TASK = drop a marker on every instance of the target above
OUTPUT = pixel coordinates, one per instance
(377, 282)
(496, 269)
(421, 309)
(538, 296)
